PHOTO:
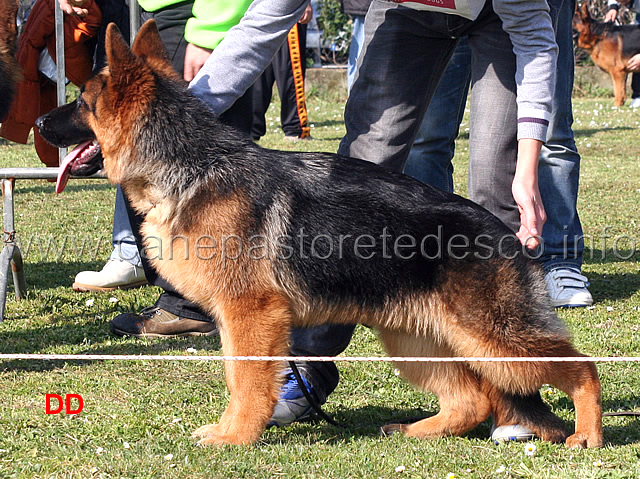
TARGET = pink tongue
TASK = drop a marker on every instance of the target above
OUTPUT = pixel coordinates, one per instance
(64, 171)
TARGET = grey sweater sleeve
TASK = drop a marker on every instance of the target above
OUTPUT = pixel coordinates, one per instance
(536, 54)
(245, 52)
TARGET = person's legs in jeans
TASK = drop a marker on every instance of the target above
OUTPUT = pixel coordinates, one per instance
(355, 47)
(123, 269)
(398, 71)
(493, 123)
(387, 105)
(430, 157)
(559, 172)
(189, 318)
(124, 243)
(387, 101)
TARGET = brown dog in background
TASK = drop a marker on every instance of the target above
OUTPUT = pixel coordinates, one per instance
(9, 68)
(611, 46)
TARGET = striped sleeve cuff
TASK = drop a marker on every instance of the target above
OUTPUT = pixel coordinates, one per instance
(533, 124)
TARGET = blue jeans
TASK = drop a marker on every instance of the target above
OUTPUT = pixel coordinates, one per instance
(124, 243)
(355, 47)
(404, 56)
(559, 168)
(430, 157)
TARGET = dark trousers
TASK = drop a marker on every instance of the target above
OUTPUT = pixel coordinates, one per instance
(280, 71)
(635, 85)
(116, 11)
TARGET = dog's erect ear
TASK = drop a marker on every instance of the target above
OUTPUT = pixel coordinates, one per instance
(149, 44)
(122, 62)
(584, 13)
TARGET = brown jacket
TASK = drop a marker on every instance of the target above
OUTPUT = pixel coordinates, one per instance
(36, 95)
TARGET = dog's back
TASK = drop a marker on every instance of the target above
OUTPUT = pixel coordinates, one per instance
(9, 69)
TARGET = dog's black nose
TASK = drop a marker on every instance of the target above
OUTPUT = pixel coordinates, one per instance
(40, 121)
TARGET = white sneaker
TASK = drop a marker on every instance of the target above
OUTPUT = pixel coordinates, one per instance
(515, 432)
(116, 274)
(568, 288)
(635, 103)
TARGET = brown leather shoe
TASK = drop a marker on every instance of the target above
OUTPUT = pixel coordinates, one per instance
(155, 322)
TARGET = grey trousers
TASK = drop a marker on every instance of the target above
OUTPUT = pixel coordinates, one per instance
(404, 55)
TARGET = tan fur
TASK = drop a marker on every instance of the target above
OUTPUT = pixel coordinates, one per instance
(8, 30)
(10, 72)
(258, 301)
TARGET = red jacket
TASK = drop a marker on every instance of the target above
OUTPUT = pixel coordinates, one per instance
(36, 95)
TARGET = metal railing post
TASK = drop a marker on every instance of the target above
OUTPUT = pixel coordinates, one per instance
(134, 19)
(61, 75)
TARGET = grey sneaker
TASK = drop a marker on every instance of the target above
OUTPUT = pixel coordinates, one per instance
(568, 288)
(293, 405)
(157, 323)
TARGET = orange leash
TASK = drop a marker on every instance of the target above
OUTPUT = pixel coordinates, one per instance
(298, 80)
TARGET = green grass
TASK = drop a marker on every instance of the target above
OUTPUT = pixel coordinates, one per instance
(138, 416)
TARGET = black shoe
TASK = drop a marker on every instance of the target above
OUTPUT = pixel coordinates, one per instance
(155, 322)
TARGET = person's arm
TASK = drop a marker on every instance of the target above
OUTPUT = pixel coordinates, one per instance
(210, 23)
(197, 53)
(247, 49)
(634, 63)
(527, 194)
(529, 27)
(612, 13)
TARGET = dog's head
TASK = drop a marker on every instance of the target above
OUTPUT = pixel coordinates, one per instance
(589, 32)
(110, 108)
(582, 23)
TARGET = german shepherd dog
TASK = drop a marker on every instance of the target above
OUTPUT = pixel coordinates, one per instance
(266, 240)
(610, 46)
(9, 68)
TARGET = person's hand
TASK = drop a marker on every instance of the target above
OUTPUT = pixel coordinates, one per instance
(307, 15)
(194, 58)
(532, 214)
(527, 194)
(611, 15)
(73, 7)
(633, 64)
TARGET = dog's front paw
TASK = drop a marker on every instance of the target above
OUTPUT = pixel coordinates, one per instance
(205, 431)
(584, 440)
(213, 435)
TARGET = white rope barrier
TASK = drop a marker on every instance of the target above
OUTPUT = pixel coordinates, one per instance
(385, 359)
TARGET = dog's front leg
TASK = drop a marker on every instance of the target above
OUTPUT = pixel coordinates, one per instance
(619, 79)
(257, 326)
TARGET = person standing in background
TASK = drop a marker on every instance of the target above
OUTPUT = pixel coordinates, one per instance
(287, 70)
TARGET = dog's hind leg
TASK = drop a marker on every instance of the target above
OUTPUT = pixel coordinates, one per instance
(257, 326)
(577, 379)
(463, 404)
(527, 410)
(580, 381)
